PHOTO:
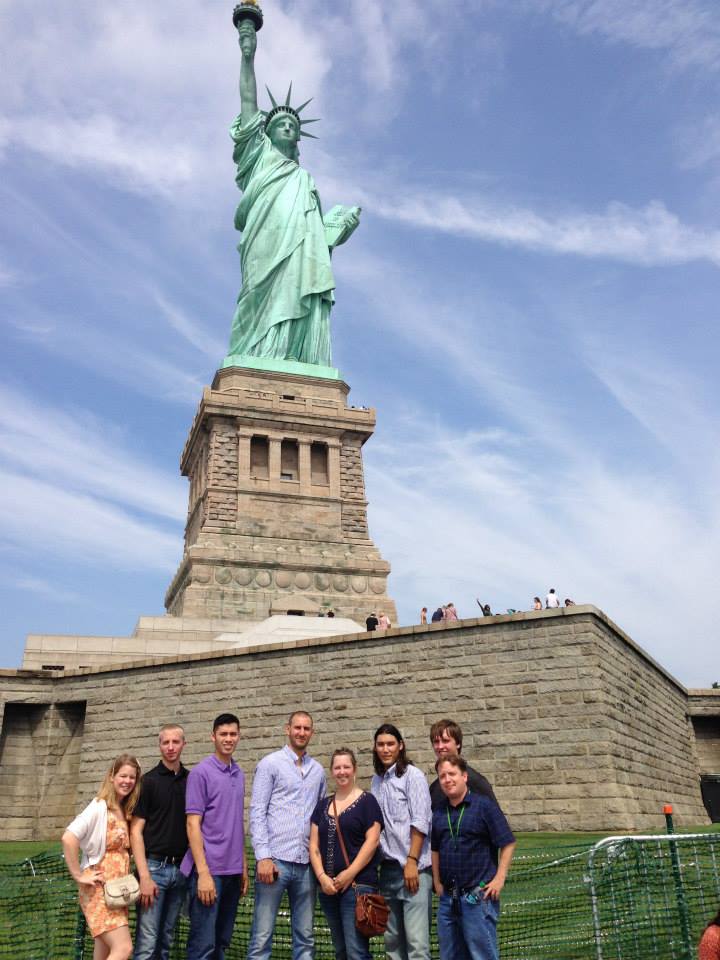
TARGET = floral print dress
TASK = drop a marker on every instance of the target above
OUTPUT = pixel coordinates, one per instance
(116, 863)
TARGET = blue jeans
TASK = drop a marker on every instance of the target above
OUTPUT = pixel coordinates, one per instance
(468, 931)
(211, 927)
(299, 882)
(407, 936)
(155, 925)
(339, 912)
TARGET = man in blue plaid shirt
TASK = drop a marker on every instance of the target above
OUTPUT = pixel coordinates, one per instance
(472, 846)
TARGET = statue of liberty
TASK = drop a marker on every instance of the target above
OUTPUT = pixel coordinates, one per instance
(283, 309)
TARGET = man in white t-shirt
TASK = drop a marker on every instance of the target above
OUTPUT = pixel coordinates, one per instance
(551, 600)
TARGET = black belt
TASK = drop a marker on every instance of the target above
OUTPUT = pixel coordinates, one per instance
(463, 891)
(173, 861)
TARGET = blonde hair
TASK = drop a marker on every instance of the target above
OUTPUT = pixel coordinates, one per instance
(171, 726)
(107, 790)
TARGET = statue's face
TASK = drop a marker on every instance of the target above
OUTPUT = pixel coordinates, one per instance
(284, 132)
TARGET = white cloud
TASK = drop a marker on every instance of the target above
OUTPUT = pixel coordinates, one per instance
(189, 329)
(140, 93)
(675, 407)
(687, 29)
(83, 454)
(100, 142)
(47, 591)
(35, 515)
(699, 144)
(646, 236)
(8, 277)
(464, 517)
(502, 514)
(140, 368)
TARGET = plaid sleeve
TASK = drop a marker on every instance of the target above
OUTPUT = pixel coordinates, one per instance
(497, 825)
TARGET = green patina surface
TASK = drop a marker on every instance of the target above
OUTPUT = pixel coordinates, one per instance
(281, 366)
(283, 309)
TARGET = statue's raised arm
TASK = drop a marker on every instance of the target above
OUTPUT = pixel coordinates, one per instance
(247, 37)
(283, 310)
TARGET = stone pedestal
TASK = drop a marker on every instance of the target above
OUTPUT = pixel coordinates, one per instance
(277, 516)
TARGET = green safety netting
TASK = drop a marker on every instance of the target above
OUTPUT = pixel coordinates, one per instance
(623, 899)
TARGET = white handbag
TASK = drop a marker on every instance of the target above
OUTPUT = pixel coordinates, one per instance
(122, 892)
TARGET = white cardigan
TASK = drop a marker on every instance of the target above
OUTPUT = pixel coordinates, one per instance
(90, 827)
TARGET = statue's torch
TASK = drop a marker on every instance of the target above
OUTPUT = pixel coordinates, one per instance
(248, 10)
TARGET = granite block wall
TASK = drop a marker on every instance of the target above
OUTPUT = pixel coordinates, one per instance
(577, 728)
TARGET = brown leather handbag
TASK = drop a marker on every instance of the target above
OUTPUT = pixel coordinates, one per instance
(371, 910)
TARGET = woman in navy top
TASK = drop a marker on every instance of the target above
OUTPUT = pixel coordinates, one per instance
(361, 821)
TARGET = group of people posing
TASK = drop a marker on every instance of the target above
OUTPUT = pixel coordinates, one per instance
(403, 837)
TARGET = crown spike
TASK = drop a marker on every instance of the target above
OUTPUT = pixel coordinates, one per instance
(272, 98)
(288, 108)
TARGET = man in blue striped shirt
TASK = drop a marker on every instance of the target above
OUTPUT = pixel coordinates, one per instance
(287, 785)
(405, 876)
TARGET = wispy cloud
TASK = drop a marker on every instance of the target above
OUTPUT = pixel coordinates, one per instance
(675, 407)
(100, 142)
(494, 528)
(8, 276)
(82, 455)
(86, 113)
(392, 33)
(698, 144)
(35, 515)
(645, 236)
(189, 329)
(687, 29)
(139, 366)
(47, 591)
(504, 512)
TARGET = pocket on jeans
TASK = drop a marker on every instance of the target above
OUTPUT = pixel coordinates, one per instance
(491, 909)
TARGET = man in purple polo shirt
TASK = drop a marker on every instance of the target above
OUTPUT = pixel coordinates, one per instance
(215, 862)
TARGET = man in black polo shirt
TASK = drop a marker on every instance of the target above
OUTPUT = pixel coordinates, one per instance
(158, 838)
(446, 739)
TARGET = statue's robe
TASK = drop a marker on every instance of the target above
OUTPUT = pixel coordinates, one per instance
(283, 309)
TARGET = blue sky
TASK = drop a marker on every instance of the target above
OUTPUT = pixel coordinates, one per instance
(530, 301)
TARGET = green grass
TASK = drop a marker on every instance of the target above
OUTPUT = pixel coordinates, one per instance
(15, 851)
(546, 914)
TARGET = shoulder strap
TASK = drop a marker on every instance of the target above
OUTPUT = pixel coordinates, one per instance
(339, 832)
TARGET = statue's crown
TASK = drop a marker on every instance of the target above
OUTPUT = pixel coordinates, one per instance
(294, 112)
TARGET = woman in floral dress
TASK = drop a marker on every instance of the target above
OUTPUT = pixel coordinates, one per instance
(101, 834)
